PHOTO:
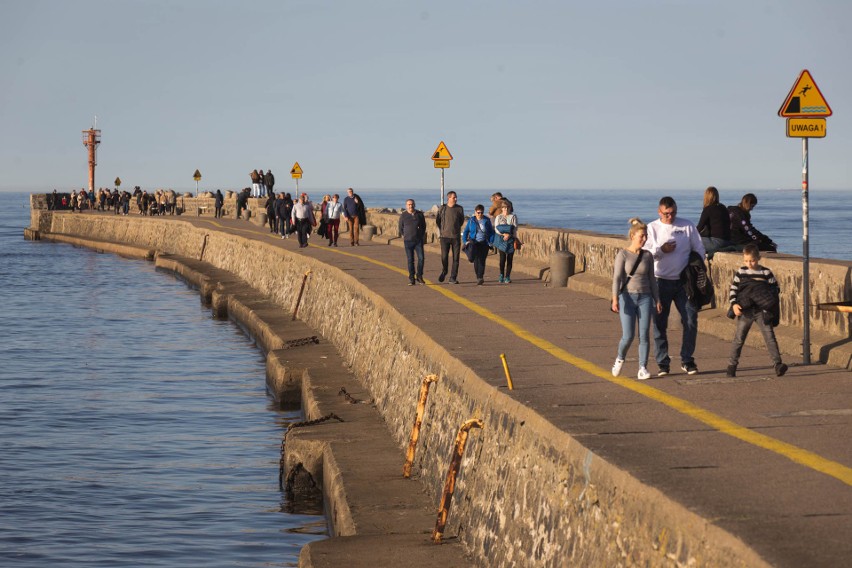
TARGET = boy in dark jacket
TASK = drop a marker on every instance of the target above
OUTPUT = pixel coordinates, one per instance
(754, 297)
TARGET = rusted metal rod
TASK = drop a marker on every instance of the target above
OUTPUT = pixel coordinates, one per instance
(506, 369)
(301, 291)
(450, 483)
(418, 420)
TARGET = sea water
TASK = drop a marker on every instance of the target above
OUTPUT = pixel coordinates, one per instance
(778, 213)
(135, 429)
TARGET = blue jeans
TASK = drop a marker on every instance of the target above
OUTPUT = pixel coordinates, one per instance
(675, 291)
(712, 245)
(410, 248)
(633, 307)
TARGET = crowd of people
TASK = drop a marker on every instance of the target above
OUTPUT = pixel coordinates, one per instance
(160, 202)
(663, 263)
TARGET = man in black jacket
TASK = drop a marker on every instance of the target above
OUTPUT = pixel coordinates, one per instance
(450, 220)
(269, 182)
(412, 229)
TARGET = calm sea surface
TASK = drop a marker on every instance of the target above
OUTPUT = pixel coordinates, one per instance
(778, 213)
(135, 430)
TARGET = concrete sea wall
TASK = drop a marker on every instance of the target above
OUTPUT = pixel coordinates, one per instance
(529, 495)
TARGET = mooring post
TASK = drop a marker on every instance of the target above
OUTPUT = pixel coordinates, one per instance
(301, 291)
(506, 369)
(450, 483)
(418, 419)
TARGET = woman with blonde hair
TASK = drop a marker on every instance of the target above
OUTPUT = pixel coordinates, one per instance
(714, 226)
(634, 291)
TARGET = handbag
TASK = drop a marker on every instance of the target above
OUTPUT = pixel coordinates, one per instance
(629, 276)
(468, 250)
(518, 243)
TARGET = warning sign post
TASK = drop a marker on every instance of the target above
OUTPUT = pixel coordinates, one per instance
(805, 110)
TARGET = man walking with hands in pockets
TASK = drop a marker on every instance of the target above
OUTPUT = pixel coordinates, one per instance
(670, 241)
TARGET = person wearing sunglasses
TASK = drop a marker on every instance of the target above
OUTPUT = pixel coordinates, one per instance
(478, 234)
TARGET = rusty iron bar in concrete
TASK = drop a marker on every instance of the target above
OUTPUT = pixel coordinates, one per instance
(506, 369)
(450, 483)
(301, 291)
(418, 419)
(203, 247)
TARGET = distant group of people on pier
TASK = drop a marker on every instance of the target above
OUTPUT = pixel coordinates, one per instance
(286, 216)
(262, 184)
(664, 264)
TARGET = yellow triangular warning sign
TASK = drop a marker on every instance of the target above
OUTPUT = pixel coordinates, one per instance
(197, 175)
(297, 169)
(805, 99)
(442, 153)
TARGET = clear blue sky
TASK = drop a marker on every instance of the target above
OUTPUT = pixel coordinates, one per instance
(535, 94)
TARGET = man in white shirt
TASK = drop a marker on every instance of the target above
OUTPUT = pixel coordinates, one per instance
(670, 240)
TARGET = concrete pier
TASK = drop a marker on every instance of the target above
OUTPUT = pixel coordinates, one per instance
(573, 466)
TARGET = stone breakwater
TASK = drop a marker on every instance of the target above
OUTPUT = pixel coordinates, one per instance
(530, 493)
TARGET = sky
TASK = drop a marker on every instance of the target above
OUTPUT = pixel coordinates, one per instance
(643, 94)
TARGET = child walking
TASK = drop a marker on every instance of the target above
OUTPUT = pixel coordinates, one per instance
(634, 296)
(754, 297)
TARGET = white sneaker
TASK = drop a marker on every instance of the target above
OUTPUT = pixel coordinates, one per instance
(616, 367)
(643, 374)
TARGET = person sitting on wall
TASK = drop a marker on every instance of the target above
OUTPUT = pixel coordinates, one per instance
(742, 231)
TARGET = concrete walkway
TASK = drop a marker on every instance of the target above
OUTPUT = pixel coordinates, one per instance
(767, 459)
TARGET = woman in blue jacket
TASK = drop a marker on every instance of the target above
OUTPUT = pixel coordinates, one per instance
(478, 234)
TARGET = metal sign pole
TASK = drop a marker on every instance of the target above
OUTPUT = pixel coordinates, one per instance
(442, 186)
(806, 279)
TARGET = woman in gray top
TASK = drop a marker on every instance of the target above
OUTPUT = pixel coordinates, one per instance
(634, 292)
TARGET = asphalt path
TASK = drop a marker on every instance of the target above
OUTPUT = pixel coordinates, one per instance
(769, 459)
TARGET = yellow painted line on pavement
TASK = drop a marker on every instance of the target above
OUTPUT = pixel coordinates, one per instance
(723, 425)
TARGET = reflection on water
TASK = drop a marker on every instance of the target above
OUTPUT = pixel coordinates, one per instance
(134, 428)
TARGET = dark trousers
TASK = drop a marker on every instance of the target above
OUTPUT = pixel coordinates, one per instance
(218, 211)
(480, 255)
(743, 326)
(302, 228)
(412, 247)
(506, 262)
(446, 244)
(332, 230)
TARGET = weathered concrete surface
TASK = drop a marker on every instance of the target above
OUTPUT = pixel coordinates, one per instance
(530, 493)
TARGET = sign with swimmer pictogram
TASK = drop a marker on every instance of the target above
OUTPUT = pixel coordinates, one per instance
(805, 99)
(196, 176)
(296, 172)
(441, 157)
(805, 110)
